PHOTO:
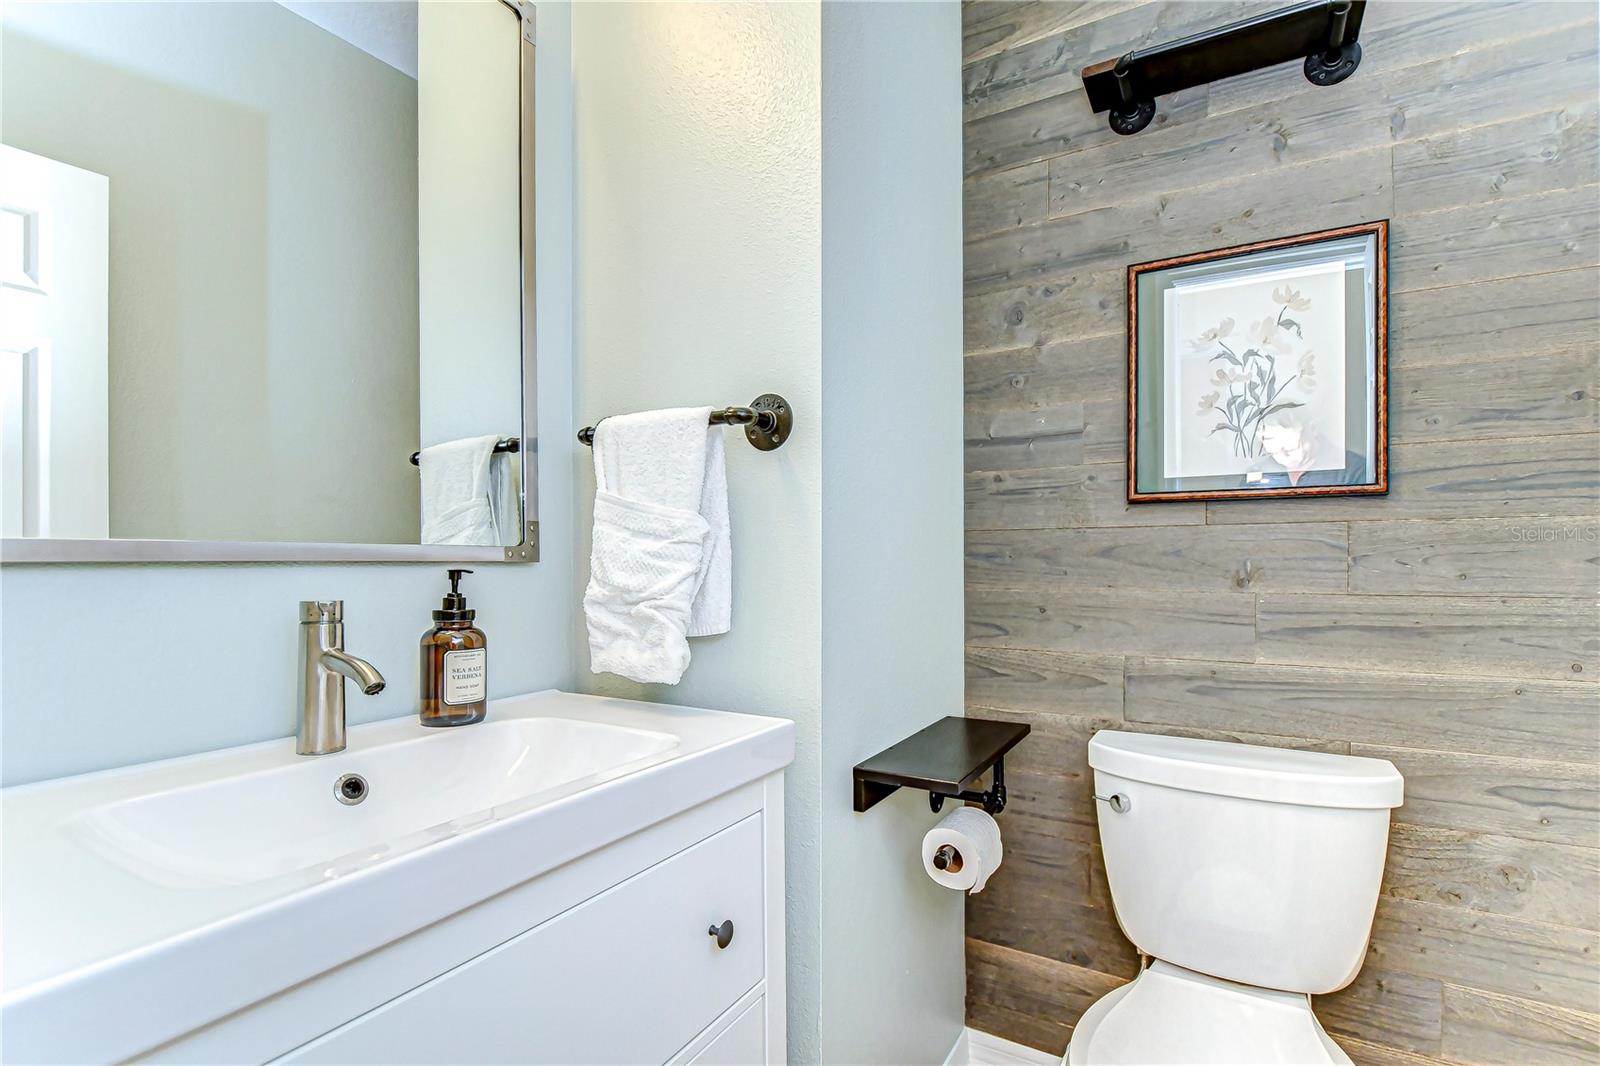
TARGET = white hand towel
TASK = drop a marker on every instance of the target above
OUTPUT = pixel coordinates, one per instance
(456, 506)
(660, 565)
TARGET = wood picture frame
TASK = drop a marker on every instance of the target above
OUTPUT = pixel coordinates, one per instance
(1170, 458)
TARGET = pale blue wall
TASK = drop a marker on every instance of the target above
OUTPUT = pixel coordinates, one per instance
(894, 972)
(104, 666)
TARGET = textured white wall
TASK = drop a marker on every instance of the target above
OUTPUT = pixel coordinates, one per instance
(110, 665)
(698, 282)
(894, 972)
(263, 317)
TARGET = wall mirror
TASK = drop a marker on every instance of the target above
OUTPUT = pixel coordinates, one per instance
(267, 281)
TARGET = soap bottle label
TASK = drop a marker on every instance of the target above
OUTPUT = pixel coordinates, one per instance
(464, 675)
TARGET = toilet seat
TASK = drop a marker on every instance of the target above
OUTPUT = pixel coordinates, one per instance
(1172, 1015)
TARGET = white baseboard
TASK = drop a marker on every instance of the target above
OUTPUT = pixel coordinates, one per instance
(975, 1048)
(960, 1051)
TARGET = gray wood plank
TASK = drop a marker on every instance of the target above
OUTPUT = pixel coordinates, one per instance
(1264, 140)
(1495, 320)
(1196, 216)
(1364, 1053)
(1048, 498)
(1546, 556)
(1030, 377)
(1086, 376)
(1005, 199)
(1533, 880)
(1070, 307)
(1057, 124)
(1480, 1027)
(1531, 960)
(1490, 716)
(1532, 637)
(1414, 34)
(1112, 622)
(1552, 801)
(1050, 682)
(1010, 438)
(1523, 395)
(1549, 149)
(1502, 238)
(1397, 1010)
(1303, 556)
(1531, 476)
(989, 28)
(1027, 998)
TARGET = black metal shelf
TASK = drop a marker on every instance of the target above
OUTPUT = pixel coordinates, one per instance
(947, 759)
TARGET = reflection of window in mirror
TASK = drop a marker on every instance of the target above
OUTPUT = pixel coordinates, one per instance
(256, 255)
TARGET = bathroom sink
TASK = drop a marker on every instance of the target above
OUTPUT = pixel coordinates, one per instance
(119, 886)
(326, 815)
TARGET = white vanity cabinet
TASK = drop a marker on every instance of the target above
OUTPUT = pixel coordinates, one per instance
(578, 879)
(610, 959)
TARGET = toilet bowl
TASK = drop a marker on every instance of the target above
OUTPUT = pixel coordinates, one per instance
(1249, 875)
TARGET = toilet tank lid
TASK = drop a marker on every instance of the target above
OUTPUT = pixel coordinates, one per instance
(1248, 771)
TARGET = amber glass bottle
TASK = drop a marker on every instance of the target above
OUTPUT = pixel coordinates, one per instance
(455, 663)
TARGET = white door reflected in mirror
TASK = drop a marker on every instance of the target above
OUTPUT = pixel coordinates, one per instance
(54, 263)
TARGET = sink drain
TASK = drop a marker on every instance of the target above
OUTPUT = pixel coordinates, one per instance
(350, 789)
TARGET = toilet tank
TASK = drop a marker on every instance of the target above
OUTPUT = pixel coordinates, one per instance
(1257, 865)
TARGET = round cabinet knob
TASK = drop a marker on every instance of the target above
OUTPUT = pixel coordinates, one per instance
(723, 933)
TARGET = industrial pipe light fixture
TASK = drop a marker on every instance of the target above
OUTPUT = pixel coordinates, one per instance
(1321, 32)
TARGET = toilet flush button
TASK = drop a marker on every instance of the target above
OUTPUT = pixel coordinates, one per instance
(1118, 802)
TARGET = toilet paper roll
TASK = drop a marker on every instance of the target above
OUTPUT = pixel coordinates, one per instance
(973, 838)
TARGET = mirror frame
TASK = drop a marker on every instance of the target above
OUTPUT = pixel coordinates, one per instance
(64, 550)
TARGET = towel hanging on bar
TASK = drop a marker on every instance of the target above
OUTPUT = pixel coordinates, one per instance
(505, 444)
(767, 421)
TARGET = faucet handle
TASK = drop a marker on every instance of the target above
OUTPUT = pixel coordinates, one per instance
(312, 611)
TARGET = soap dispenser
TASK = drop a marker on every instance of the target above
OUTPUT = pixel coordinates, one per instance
(455, 663)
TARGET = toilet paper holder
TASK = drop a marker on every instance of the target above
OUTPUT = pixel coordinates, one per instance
(947, 759)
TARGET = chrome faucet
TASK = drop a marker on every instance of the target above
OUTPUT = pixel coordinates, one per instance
(324, 664)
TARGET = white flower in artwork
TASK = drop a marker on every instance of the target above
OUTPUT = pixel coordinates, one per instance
(1225, 377)
(1211, 336)
(1290, 298)
(1268, 334)
(1208, 402)
(1308, 372)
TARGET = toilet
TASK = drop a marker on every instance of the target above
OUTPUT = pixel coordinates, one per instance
(1249, 876)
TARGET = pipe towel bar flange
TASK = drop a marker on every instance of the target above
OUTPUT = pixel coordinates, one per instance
(767, 422)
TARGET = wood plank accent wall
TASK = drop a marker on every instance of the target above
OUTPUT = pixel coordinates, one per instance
(1451, 627)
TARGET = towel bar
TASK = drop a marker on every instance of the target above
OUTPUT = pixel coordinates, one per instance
(509, 444)
(767, 421)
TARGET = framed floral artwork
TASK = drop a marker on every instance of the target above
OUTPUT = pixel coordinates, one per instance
(1261, 370)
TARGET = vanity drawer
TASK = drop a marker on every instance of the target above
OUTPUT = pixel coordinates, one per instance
(742, 1043)
(631, 975)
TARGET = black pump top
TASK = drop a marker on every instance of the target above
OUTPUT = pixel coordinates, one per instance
(454, 608)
